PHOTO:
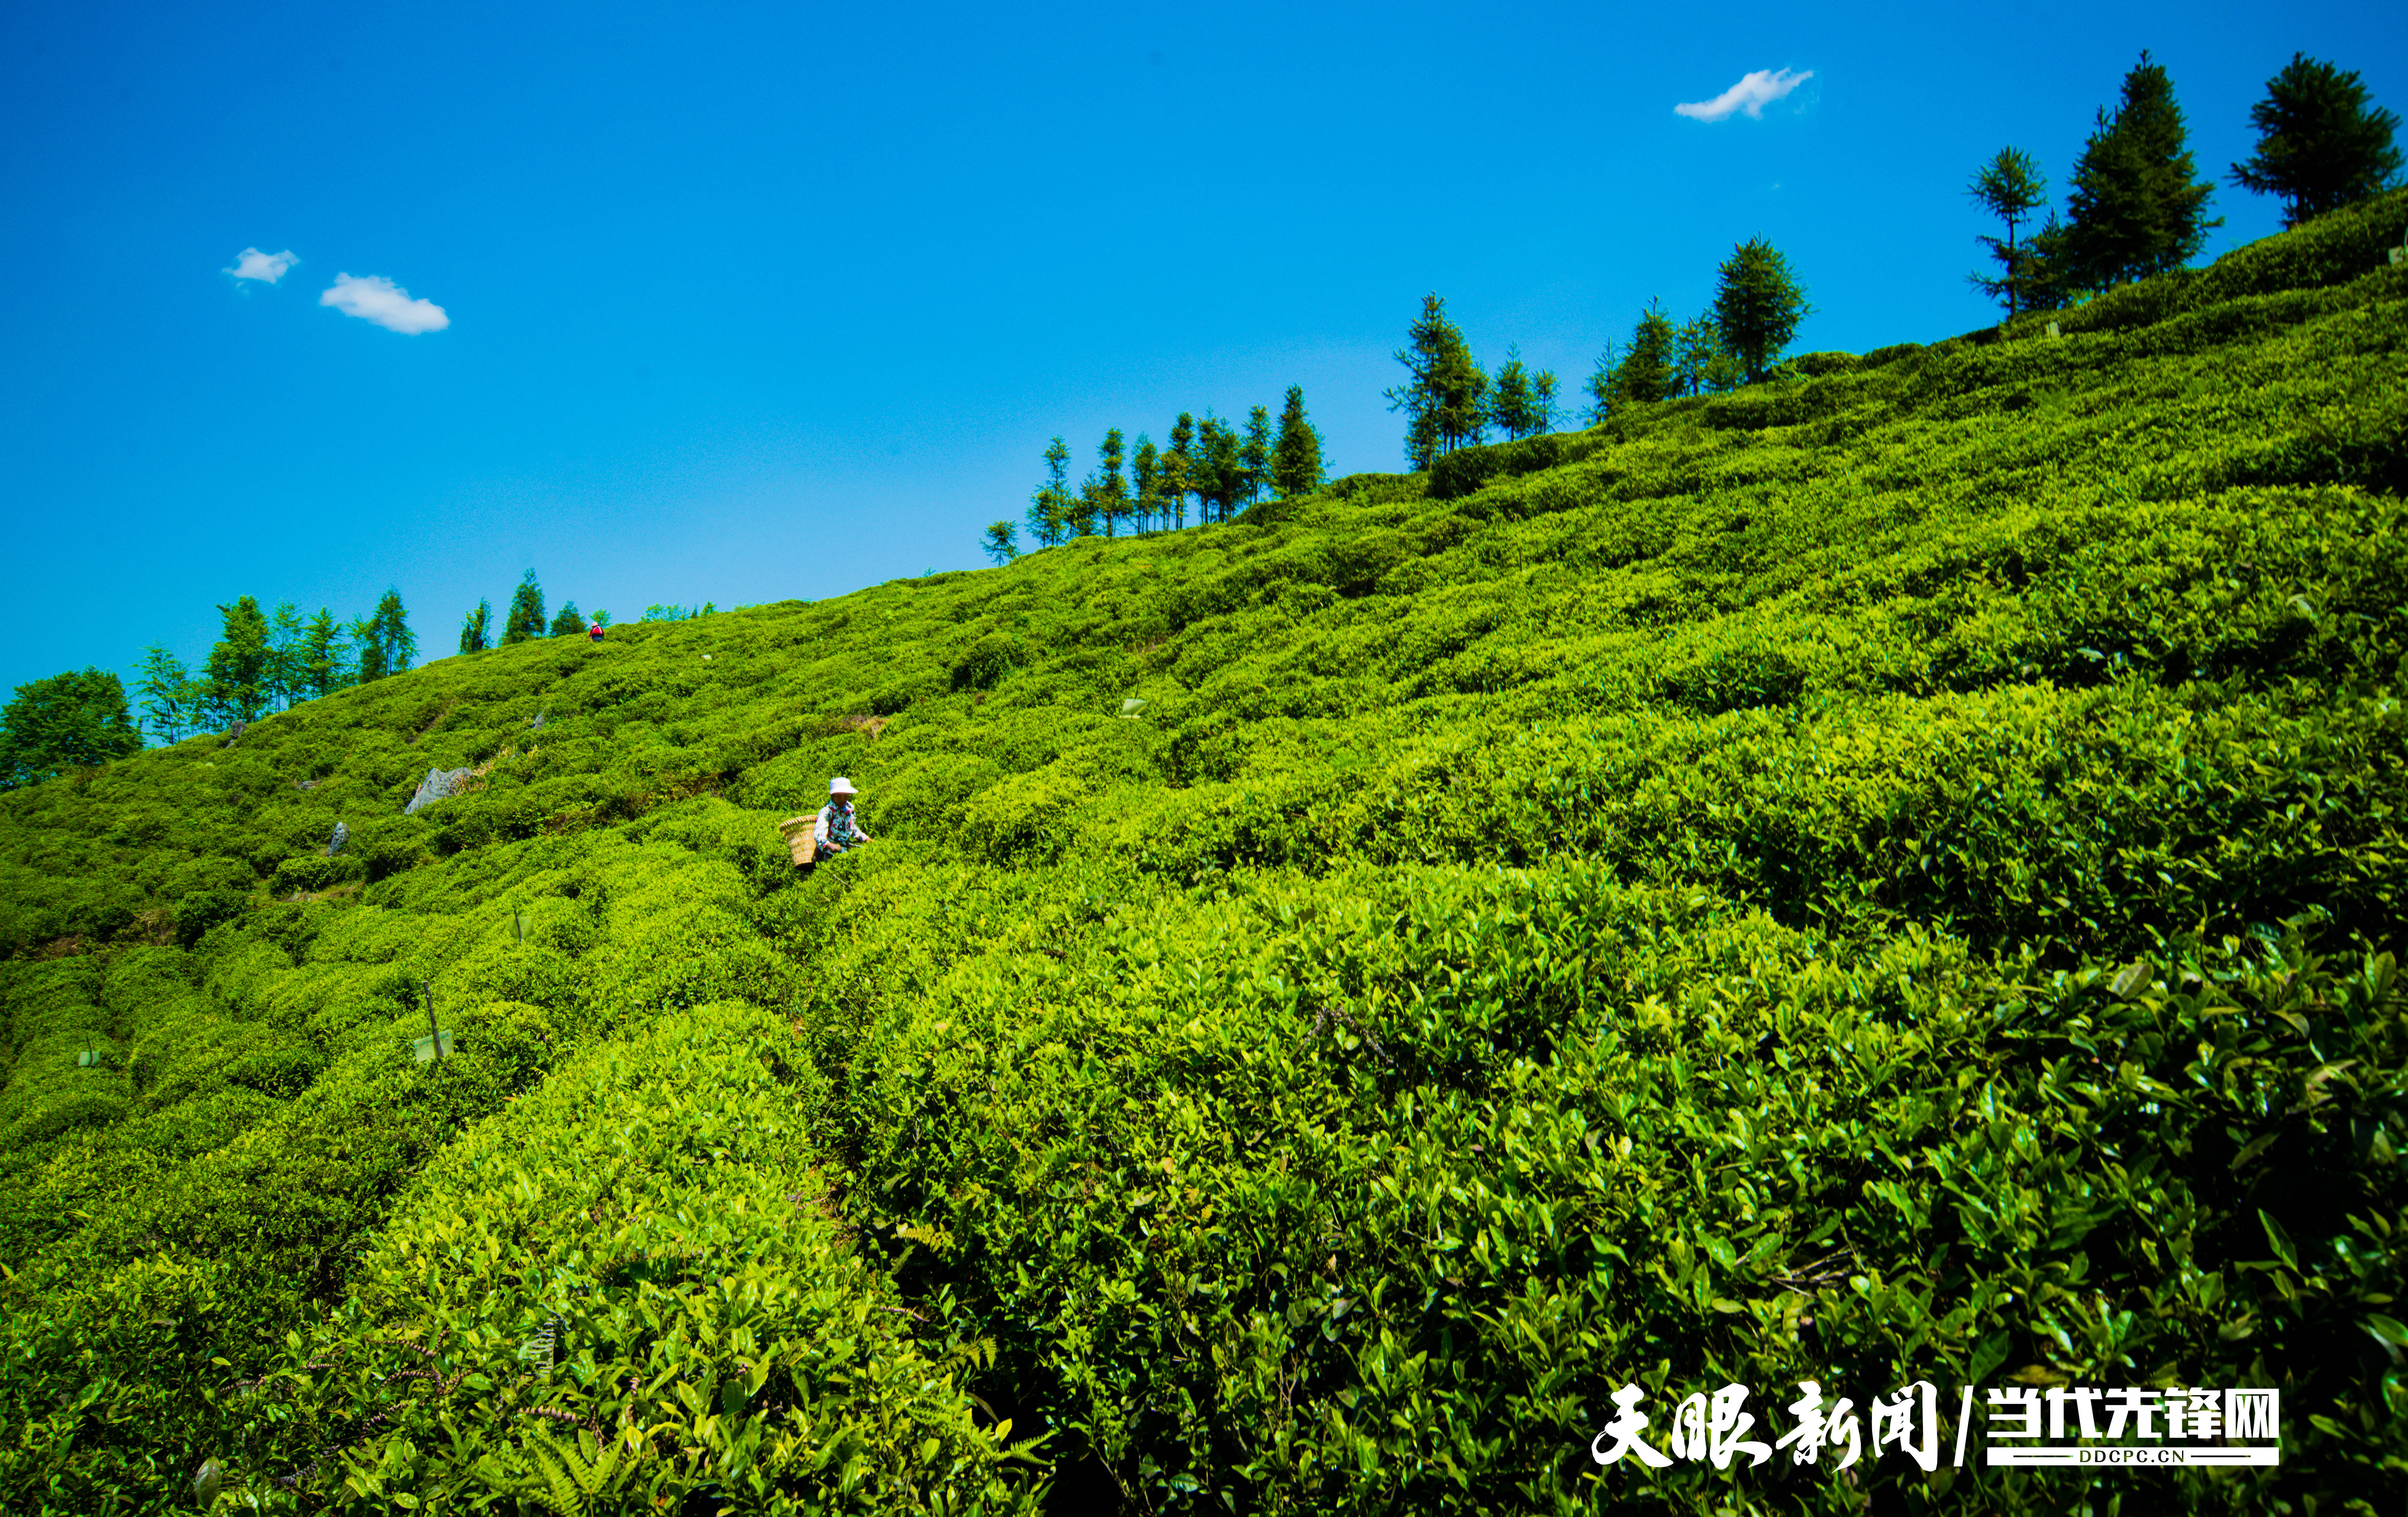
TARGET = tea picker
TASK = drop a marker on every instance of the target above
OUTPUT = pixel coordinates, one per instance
(833, 832)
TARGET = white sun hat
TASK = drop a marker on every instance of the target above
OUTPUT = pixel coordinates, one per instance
(840, 786)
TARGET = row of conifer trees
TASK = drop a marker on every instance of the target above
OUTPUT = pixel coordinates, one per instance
(526, 620)
(1222, 466)
(2134, 209)
(2133, 206)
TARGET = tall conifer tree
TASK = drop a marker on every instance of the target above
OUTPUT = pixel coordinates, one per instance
(321, 653)
(477, 629)
(1757, 306)
(238, 664)
(1254, 454)
(285, 680)
(397, 644)
(1146, 471)
(2133, 209)
(370, 665)
(1049, 509)
(1700, 364)
(2010, 187)
(1442, 397)
(1599, 385)
(1650, 370)
(1107, 493)
(167, 694)
(1220, 471)
(526, 611)
(1179, 469)
(1296, 463)
(1511, 406)
(2319, 146)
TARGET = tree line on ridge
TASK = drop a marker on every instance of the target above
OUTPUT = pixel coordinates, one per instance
(2134, 211)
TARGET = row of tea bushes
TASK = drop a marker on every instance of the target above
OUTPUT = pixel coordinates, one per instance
(1365, 1191)
(631, 1292)
(264, 1109)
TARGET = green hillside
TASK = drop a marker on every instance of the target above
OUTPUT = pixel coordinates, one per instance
(1892, 873)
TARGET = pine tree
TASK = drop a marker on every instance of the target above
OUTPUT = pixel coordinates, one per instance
(397, 644)
(526, 611)
(2044, 274)
(1079, 517)
(1146, 471)
(238, 664)
(1178, 469)
(1220, 472)
(475, 627)
(66, 721)
(1001, 542)
(1254, 454)
(1295, 462)
(1107, 493)
(2133, 210)
(570, 621)
(1513, 409)
(1442, 399)
(1203, 472)
(1600, 385)
(370, 664)
(1696, 348)
(2318, 145)
(321, 655)
(1757, 306)
(283, 676)
(2010, 187)
(1544, 406)
(1649, 372)
(167, 694)
(1049, 509)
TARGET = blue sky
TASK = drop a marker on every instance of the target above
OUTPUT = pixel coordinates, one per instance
(742, 303)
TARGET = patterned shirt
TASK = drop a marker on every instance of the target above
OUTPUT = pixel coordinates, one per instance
(836, 826)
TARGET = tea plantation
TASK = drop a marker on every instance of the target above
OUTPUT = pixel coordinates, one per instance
(1894, 874)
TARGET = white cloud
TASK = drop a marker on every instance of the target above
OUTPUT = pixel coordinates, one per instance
(379, 299)
(267, 267)
(1752, 93)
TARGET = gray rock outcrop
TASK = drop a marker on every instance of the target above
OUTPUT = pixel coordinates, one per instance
(335, 844)
(440, 783)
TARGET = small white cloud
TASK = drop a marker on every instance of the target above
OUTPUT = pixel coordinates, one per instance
(1752, 93)
(267, 267)
(379, 299)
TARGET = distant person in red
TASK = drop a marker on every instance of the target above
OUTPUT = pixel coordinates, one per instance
(593, 633)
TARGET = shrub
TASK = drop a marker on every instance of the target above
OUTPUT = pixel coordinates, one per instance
(202, 910)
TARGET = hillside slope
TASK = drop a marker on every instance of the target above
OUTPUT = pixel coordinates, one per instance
(1886, 876)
